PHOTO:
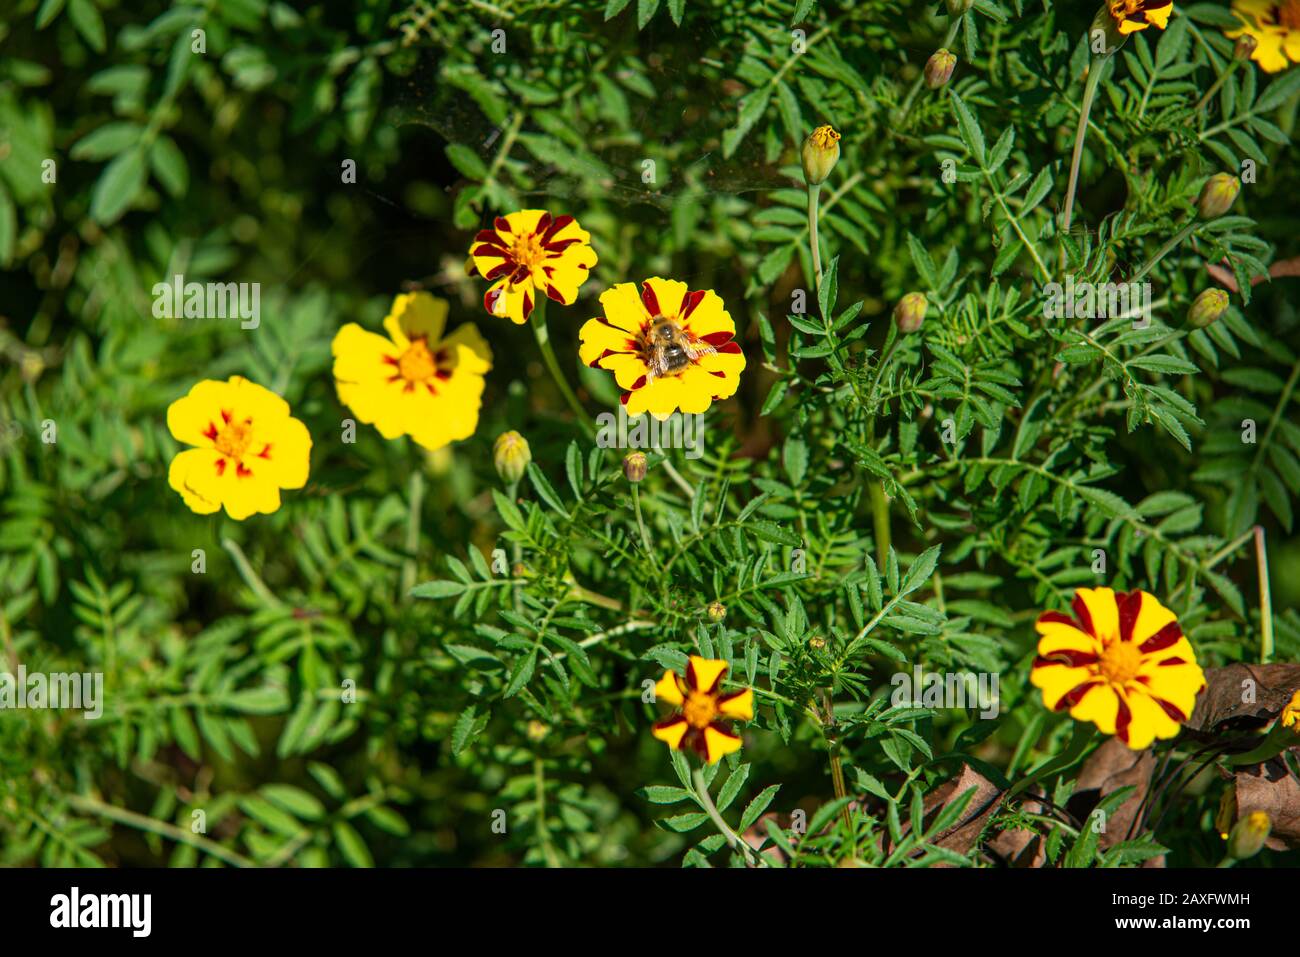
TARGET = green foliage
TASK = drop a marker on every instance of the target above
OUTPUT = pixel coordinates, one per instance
(409, 664)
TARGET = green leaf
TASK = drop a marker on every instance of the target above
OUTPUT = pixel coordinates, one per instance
(118, 186)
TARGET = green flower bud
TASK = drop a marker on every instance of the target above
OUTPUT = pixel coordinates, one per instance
(717, 611)
(1248, 835)
(1217, 195)
(957, 7)
(938, 68)
(821, 151)
(1245, 47)
(910, 312)
(634, 466)
(1207, 308)
(511, 455)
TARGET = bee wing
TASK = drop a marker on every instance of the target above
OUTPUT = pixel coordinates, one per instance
(697, 350)
(656, 367)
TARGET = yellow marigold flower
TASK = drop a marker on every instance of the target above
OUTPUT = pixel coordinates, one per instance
(702, 710)
(670, 348)
(415, 382)
(530, 254)
(1275, 27)
(1130, 16)
(247, 448)
(1121, 662)
(1291, 713)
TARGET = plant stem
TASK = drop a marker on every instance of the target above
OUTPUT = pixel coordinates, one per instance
(706, 802)
(1265, 604)
(538, 321)
(1223, 78)
(837, 763)
(1080, 134)
(954, 24)
(250, 577)
(1175, 240)
(640, 524)
(676, 476)
(814, 193)
(162, 828)
(416, 498)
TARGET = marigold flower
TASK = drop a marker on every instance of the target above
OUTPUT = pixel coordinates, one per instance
(415, 382)
(670, 348)
(511, 455)
(821, 151)
(1130, 16)
(1291, 713)
(1274, 25)
(938, 69)
(702, 710)
(530, 254)
(247, 448)
(1121, 662)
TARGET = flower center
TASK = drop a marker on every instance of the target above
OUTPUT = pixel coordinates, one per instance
(233, 440)
(1288, 14)
(1120, 662)
(527, 251)
(416, 363)
(699, 709)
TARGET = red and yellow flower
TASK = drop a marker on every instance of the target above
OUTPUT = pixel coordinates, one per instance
(1130, 16)
(621, 343)
(1291, 713)
(417, 381)
(703, 709)
(1275, 27)
(530, 254)
(246, 448)
(1121, 663)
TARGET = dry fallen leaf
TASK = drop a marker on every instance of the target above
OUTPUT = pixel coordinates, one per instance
(1271, 788)
(1113, 766)
(1223, 705)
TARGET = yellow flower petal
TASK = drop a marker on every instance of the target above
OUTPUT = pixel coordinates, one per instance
(718, 743)
(671, 731)
(703, 674)
(415, 315)
(739, 705)
(666, 690)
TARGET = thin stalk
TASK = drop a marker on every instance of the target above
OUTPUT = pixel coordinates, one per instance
(1223, 78)
(1164, 250)
(1080, 134)
(706, 802)
(538, 321)
(250, 577)
(814, 194)
(837, 763)
(162, 828)
(676, 476)
(1265, 604)
(954, 24)
(412, 543)
(640, 524)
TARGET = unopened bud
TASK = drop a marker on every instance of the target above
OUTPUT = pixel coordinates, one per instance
(821, 151)
(1207, 308)
(634, 466)
(1245, 47)
(1218, 195)
(910, 312)
(957, 7)
(717, 611)
(537, 730)
(511, 455)
(938, 68)
(1248, 835)
(816, 642)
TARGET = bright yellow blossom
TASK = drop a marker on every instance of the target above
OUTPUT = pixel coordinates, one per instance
(703, 709)
(529, 254)
(1121, 662)
(1130, 16)
(417, 381)
(1275, 27)
(246, 448)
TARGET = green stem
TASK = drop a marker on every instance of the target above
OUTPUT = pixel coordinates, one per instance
(162, 828)
(543, 335)
(416, 498)
(677, 477)
(706, 802)
(814, 192)
(1265, 604)
(250, 577)
(1223, 78)
(1164, 250)
(640, 524)
(1080, 134)
(954, 24)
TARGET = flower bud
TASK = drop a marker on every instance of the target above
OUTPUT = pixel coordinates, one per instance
(1248, 835)
(634, 466)
(1218, 194)
(957, 7)
(939, 68)
(511, 455)
(1245, 47)
(821, 151)
(717, 611)
(1207, 308)
(1291, 714)
(816, 642)
(910, 312)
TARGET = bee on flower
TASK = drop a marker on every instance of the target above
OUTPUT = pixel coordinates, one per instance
(246, 448)
(529, 254)
(670, 348)
(703, 709)
(416, 381)
(1121, 662)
